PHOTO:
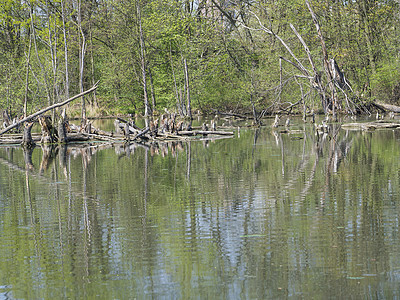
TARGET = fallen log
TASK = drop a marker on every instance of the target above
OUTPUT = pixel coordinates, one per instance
(34, 115)
(387, 107)
(370, 126)
(78, 137)
(101, 137)
(204, 132)
(231, 115)
(141, 134)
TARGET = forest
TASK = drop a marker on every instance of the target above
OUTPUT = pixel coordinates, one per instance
(149, 56)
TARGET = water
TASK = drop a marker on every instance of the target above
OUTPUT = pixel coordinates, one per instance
(263, 215)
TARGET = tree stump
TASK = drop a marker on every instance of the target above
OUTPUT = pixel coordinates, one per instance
(48, 131)
(62, 132)
(27, 141)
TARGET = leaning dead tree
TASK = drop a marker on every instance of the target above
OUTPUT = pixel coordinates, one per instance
(328, 89)
(40, 112)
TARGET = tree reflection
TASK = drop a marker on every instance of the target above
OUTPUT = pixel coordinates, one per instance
(264, 216)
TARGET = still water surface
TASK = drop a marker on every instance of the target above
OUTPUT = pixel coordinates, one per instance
(263, 215)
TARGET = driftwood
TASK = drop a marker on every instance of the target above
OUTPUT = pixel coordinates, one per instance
(370, 125)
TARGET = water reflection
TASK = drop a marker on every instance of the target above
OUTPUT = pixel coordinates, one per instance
(269, 214)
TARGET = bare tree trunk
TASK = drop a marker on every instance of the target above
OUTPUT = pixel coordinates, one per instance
(62, 131)
(328, 71)
(147, 109)
(316, 80)
(92, 63)
(81, 59)
(54, 62)
(188, 105)
(256, 119)
(364, 16)
(280, 79)
(28, 60)
(178, 99)
(65, 51)
(37, 54)
(153, 95)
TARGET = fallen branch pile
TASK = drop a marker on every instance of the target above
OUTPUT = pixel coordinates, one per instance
(165, 128)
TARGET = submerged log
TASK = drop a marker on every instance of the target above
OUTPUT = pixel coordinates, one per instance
(204, 132)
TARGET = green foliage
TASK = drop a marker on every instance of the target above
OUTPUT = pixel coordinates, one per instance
(384, 81)
(229, 58)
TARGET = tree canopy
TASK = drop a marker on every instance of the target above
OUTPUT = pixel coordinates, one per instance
(230, 54)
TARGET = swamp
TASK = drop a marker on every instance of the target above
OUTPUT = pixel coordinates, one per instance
(263, 214)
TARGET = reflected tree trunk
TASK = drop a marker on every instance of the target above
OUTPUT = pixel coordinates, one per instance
(28, 158)
(146, 179)
(32, 211)
(63, 159)
(86, 231)
(189, 161)
(256, 133)
(282, 154)
(48, 153)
